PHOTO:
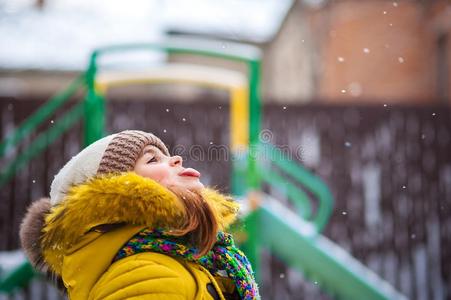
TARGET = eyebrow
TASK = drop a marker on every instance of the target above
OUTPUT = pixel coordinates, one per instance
(150, 150)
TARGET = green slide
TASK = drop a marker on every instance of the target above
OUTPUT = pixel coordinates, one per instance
(293, 235)
(296, 243)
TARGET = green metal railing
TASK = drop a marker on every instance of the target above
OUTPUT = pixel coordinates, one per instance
(275, 168)
(297, 196)
(279, 161)
(41, 115)
(41, 142)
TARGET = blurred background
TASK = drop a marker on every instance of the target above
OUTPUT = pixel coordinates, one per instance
(356, 93)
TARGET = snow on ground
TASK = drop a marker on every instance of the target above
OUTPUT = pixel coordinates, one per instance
(11, 259)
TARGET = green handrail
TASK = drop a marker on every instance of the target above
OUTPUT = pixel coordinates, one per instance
(299, 199)
(233, 51)
(308, 180)
(43, 113)
(41, 142)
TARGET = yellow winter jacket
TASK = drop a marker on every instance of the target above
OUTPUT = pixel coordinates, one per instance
(82, 255)
(89, 274)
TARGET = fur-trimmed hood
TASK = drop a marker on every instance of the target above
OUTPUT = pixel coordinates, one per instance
(48, 232)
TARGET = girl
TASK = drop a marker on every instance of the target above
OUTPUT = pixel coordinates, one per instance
(125, 220)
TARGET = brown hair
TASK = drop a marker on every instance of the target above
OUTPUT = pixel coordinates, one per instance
(200, 222)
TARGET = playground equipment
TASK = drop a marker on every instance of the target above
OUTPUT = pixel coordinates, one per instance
(294, 237)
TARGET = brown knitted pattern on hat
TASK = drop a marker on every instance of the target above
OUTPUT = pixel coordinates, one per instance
(124, 150)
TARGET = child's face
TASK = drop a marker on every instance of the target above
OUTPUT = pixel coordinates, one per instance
(167, 170)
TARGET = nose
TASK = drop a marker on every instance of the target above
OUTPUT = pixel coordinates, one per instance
(175, 160)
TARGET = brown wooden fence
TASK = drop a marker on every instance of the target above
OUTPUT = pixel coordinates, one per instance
(389, 169)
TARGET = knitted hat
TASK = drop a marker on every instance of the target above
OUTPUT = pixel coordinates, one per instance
(115, 153)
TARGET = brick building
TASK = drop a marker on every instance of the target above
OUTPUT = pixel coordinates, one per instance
(352, 51)
(394, 52)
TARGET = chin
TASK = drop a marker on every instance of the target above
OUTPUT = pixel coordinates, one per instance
(196, 187)
(193, 184)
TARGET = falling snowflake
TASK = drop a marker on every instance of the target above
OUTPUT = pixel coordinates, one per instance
(34, 181)
(400, 59)
(366, 50)
(343, 91)
(302, 40)
(211, 143)
(391, 24)
(167, 109)
(284, 107)
(348, 144)
(164, 130)
(385, 105)
(340, 59)
(384, 12)
(355, 89)
(282, 275)
(344, 213)
(404, 187)
(183, 119)
(316, 282)
(51, 121)
(433, 114)
(395, 4)
(413, 236)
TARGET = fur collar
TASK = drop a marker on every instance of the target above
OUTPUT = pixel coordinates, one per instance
(124, 198)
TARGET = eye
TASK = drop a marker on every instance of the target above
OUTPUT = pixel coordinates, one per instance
(152, 160)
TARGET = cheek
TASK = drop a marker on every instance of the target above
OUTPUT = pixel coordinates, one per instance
(158, 172)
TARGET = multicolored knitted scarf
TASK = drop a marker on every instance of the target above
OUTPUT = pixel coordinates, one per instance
(224, 256)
